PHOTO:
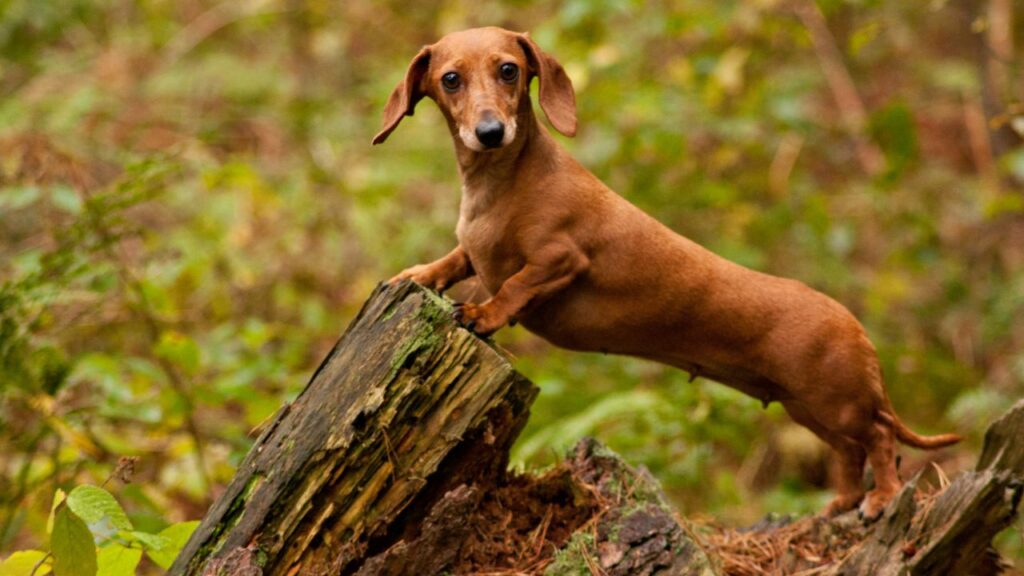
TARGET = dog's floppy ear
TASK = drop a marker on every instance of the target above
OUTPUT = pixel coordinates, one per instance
(405, 96)
(557, 98)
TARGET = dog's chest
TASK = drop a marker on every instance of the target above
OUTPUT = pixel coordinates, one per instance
(483, 232)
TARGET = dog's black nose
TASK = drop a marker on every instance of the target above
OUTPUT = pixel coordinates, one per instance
(490, 132)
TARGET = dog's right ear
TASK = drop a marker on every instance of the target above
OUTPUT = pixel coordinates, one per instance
(405, 96)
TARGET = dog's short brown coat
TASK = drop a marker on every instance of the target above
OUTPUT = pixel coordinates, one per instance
(579, 265)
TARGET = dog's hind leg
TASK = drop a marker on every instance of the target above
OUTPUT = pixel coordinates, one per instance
(848, 466)
(881, 449)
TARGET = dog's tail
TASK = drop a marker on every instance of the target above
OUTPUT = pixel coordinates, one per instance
(907, 436)
(911, 438)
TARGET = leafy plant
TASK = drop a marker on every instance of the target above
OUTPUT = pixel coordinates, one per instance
(91, 534)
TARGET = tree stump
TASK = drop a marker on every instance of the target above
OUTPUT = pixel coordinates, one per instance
(406, 406)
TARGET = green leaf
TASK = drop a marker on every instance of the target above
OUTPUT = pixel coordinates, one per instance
(13, 198)
(74, 553)
(66, 198)
(22, 562)
(893, 128)
(117, 560)
(58, 497)
(96, 506)
(179, 349)
(149, 541)
(863, 36)
(176, 535)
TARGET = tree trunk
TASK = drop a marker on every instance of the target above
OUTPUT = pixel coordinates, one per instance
(406, 406)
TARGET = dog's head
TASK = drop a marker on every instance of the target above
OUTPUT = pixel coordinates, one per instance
(478, 78)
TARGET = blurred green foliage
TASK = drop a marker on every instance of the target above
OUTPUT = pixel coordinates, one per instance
(190, 212)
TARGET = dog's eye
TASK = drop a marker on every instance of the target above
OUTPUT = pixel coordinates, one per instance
(450, 82)
(509, 72)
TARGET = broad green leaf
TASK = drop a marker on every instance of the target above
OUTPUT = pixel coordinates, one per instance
(94, 505)
(176, 535)
(74, 553)
(117, 560)
(22, 562)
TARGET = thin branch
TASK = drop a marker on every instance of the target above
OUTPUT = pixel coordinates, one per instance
(783, 162)
(40, 563)
(978, 140)
(1000, 47)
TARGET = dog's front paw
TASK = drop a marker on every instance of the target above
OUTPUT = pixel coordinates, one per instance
(483, 319)
(422, 274)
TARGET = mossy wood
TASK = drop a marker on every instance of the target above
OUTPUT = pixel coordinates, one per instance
(406, 406)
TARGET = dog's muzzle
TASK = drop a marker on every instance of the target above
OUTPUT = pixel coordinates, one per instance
(490, 133)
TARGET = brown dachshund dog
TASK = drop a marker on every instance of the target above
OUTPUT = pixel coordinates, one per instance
(580, 266)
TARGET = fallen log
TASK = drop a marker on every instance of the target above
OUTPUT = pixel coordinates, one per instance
(393, 462)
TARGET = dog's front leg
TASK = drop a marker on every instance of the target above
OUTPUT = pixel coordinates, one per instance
(439, 274)
(547, 270)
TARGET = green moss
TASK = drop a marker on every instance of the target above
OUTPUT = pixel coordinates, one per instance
(571, 560)
(641, 487)
(433, 313)
(424, 339)
(261, 557)
(645, 490)
(389, 312)
(231, 518)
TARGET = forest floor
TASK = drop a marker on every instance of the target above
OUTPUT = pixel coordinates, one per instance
(526, 524)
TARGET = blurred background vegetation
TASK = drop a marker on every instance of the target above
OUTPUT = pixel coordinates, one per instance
(191, 212)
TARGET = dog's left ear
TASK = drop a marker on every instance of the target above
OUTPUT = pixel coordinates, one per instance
(557, 98)
(404, 97)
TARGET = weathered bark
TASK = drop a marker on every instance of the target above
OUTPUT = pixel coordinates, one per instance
(406, 406)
